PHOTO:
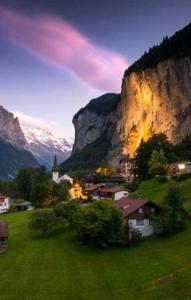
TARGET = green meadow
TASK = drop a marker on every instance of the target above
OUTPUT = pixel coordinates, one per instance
(57, 267)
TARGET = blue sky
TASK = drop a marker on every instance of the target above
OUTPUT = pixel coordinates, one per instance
(57, 55)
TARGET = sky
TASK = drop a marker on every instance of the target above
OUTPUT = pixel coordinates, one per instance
(57, 55)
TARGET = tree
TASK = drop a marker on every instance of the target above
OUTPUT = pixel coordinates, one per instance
(67, 211)
(40, 194)
(173, 216)
(60, 191)
(43, 220)
(158, 163)
(143, 155)
(99, 223)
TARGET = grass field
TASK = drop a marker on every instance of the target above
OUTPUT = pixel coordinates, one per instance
(58, 268)
(155, 191)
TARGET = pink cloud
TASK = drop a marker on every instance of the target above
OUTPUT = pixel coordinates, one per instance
(58, 43)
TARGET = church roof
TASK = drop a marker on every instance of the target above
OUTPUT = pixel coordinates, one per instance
(55, 167)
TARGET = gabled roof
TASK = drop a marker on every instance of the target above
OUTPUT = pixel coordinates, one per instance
(129, 205)
(113, 189)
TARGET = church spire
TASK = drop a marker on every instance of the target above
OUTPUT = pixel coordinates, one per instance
(55, 165)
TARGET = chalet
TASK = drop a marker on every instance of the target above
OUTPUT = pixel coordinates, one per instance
(114, 192)
(92, 191)
(181, 167)
(3, 236)
(138, 213)
(5, 203)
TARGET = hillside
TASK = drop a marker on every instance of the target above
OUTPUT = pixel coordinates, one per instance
(89, 158)
(13, 159)
(59, 268)
(155, 191)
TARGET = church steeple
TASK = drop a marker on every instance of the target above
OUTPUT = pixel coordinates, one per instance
(55, 164)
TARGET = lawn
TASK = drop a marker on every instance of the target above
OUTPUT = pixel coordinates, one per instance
(58, 268)
(155, 191)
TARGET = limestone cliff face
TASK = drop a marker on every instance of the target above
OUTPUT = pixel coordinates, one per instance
(156, 100)
(10, 129)
(97, 118)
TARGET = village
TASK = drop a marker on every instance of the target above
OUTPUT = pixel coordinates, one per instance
(137, 212)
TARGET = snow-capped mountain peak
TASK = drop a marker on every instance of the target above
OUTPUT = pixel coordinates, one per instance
(44, 144)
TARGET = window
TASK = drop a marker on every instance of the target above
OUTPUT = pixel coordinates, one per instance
(150, 222)
(152, 209)
(139, 222)
(140, 210)
(130, 224)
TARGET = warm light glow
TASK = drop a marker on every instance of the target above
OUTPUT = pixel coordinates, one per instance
(76, 192)
(181, 166)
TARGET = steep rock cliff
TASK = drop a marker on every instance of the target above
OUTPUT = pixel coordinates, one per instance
(156, 100)
(12, 147)
(92, 121)
(10, 129)
(95, 133)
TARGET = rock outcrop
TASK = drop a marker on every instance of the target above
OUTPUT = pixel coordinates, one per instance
(12, 147)
(98, 117)
(156, 100)
(10, 129)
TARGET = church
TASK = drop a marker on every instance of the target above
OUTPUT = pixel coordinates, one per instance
(56, 176)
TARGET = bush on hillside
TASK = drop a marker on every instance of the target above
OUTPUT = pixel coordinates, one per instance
(43, 220)
(172, 217)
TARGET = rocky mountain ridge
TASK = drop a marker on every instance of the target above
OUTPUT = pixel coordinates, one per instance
(155, 98)
(44, 145)
(10, 129)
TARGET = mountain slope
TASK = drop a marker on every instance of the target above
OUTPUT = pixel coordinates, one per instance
(95, 128)
(12, 142)
(43, 145)
(13, 159)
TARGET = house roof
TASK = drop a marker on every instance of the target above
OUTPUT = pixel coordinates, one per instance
(2, 198)
(113, 189)
(92, 187)
(3, 229)
(129, 205)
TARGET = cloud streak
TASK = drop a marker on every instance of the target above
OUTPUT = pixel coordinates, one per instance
(58, 43)
(32, 122)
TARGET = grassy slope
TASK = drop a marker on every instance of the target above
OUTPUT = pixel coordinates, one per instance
(155, 191)
(58, 268)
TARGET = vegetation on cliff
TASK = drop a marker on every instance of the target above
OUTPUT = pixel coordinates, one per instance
(90, 157)
(102, 105)
(13, 159)
(177, 46)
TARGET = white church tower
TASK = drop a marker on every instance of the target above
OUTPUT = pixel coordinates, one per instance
(55, 170)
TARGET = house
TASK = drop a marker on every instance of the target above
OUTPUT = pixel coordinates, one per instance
(181, 167)
(92, 190)
(5, 203)
(127, 168)
(21, 206)
(55, 174)
(138, 212)
(114, 192)
(3, 236)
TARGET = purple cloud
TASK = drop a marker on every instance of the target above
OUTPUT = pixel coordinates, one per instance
(58, 43)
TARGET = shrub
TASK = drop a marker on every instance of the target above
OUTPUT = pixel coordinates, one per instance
(43, 220)
(173, 216)
(67, 211)
(99, 223)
